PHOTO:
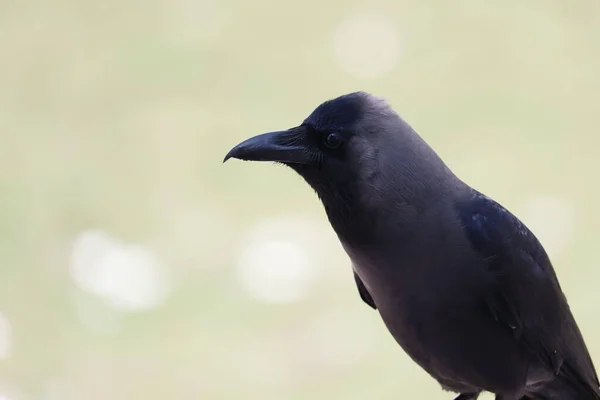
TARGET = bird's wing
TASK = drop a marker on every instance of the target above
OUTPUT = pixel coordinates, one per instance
(364, 293)
(523, 292)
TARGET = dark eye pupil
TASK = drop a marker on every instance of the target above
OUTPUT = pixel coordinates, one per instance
(333, 140)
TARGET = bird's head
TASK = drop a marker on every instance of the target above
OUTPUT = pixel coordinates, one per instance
(353, 150)
(331, 147)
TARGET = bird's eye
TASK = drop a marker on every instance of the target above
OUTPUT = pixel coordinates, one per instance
(333, 140)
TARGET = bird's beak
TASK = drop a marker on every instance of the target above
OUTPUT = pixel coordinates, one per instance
(281, 146)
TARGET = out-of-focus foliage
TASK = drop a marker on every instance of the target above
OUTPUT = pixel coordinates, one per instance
(134, 265)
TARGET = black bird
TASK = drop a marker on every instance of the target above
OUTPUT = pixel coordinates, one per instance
(462, 285)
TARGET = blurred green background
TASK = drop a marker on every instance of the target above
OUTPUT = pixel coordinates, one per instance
(134, 265)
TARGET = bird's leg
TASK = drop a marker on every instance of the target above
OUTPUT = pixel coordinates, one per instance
(468, 396)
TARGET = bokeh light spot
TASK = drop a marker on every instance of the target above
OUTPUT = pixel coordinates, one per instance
(275, 270)
(128, 277)
(280, 259)
(188, 23)
(367, 46)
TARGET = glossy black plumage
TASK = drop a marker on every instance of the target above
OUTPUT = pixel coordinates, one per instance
(463, 286)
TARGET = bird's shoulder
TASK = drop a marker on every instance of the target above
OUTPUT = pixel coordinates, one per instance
(488, 224)
(496, 233)
(523, 292)
(519, 269)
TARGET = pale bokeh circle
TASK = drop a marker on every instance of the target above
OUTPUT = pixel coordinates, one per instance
(275, 271)
(128, 277)
(367, 46)
(281, 258)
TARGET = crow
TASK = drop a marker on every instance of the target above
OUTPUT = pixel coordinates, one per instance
(463, 286)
